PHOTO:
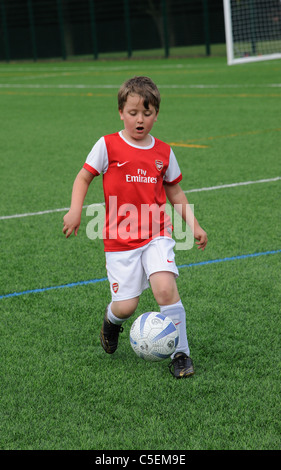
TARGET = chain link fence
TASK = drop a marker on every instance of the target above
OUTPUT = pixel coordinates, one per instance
(47, 29)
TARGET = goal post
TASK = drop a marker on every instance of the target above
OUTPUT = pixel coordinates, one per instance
(252, 30)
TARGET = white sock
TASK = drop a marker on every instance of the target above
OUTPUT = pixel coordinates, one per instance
(177, 313)
(112, 318)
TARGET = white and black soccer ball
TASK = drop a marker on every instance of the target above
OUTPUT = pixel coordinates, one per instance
(153, 336)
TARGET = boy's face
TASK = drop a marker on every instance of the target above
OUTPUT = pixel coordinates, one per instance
(138, 121)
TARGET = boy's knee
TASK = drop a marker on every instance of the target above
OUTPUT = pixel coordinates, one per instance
(164, 289)
(124, 308)
(166, 296)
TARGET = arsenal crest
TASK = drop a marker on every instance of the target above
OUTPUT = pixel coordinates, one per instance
(159, 165)
(115, 287)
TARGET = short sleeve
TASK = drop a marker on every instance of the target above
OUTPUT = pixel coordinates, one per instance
(97, 160)
(173, 174)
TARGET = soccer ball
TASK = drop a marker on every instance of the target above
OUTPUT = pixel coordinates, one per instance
(153, 336)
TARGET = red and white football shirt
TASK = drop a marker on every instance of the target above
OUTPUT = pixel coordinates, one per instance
(133, 183)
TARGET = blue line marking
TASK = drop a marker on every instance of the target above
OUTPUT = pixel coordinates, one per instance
(45, 289)
(232, 258)
(94, 281)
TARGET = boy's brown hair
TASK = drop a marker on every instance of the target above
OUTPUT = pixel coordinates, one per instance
(142, 86)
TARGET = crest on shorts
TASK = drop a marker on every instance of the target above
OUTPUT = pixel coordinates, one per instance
(159, 164)
(115, 287)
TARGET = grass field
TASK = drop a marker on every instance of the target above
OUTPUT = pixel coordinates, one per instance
(59, 390)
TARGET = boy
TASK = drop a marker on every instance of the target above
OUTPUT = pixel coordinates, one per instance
(139, 172)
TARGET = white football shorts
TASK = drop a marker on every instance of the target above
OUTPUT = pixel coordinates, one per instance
(129, 271)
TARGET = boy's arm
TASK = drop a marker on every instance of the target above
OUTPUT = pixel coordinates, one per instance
(72, 219)
(176, 195)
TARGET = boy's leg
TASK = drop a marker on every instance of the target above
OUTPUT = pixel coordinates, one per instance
(159, 264)
(116, 313)
(127, 280)
(165, 291)
(123, 309)
(164, 287)
(166, 294)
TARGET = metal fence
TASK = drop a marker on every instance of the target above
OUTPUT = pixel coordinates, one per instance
(40, 29)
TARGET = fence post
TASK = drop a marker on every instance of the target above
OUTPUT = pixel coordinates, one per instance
(60, 17)
(93, 28)
(128, 27)
(32, 29)
(206, 27)
(165, 28)
(252, 26)
(5, 31)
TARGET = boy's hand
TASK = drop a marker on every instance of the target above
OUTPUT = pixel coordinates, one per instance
(201, 236)
(71, 222)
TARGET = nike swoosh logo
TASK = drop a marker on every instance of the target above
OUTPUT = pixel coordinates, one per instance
(121, 164)
(168, 261)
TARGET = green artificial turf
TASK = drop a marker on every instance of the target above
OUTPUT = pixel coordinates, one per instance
(59, 390)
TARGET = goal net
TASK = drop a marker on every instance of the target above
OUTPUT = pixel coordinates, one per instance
(252, 30)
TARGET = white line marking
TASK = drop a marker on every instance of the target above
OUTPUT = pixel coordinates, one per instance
(27, 214)
(198, 190)
(95, 68)
(50, 211)
(111, 86)
(233, 185)
(38, 85)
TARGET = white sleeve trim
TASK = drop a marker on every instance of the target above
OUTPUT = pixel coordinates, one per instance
(98, 156)
(173, 171)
